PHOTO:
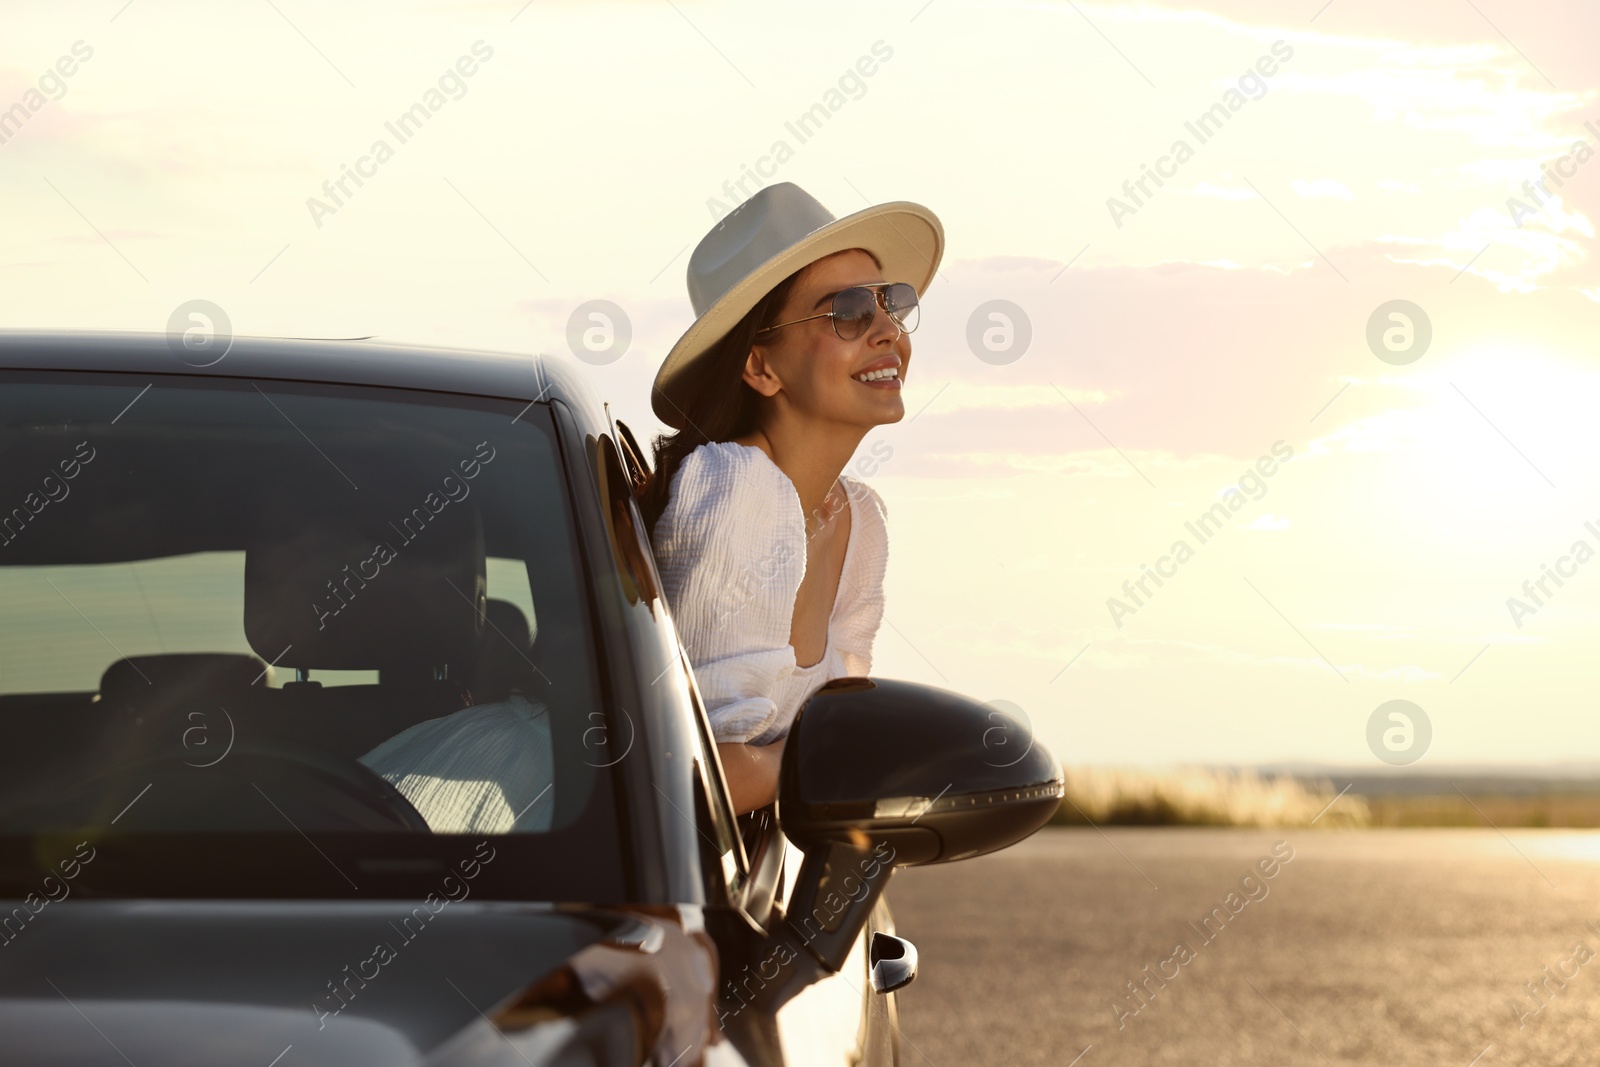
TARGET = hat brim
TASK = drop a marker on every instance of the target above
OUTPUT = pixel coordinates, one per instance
(907, 238)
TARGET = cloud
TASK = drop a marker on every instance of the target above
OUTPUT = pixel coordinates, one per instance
(1221, 192)
(1142, 654)
(1321, 188)
(1015, 637)
(971, 395)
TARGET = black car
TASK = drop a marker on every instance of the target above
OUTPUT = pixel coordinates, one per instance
(231, 593)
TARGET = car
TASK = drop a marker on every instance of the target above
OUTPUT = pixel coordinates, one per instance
(346, 723)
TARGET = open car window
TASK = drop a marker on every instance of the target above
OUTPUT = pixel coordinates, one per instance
(338, 633)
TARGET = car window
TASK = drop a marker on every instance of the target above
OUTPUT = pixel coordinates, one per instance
(188, 603)
(302, 613)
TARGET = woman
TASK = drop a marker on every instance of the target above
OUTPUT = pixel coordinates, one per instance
(771, 559)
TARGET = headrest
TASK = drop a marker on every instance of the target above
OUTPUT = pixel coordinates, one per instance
(506, 659)
(369, 588)
(507, 624)
(178, 678)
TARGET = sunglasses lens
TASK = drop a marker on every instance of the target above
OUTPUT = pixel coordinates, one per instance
(853, 311)
(901, 300)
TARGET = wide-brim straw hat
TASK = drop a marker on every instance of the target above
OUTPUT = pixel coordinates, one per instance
(779, 230)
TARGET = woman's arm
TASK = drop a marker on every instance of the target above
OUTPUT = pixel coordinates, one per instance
(752, 773)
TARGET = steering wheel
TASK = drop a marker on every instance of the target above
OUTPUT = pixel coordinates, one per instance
(257, 786)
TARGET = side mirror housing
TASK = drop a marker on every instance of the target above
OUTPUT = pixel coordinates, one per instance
(937, 775)
(879, 774)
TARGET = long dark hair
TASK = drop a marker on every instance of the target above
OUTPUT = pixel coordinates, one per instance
(720, 406)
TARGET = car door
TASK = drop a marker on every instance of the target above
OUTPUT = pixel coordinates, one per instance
(838, 1019)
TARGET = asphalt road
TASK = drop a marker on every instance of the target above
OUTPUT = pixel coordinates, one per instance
(1444, 948)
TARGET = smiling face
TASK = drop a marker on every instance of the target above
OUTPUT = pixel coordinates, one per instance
(812, 372)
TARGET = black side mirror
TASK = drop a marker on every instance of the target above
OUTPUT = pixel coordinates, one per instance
(879, 774)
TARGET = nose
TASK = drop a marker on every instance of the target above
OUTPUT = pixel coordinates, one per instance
(882, 321)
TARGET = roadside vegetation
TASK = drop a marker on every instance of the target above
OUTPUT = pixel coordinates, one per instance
(1201, 796)
(1209, 796)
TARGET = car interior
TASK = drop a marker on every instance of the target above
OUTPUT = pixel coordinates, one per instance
(296, 622)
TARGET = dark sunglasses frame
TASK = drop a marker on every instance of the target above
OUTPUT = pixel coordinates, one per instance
(891, 296)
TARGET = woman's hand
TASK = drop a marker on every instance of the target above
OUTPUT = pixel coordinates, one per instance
(752, 773)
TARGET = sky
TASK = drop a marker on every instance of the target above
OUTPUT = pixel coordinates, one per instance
(1222, 337)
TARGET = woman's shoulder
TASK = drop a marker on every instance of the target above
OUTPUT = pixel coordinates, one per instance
(732, 495)
(725, 459)
(864, 492)
(868, 508)
(869, 519)
(731, 544)
(725, 476)
(868, 563)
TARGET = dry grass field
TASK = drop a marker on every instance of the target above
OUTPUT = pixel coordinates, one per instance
(1202, 796)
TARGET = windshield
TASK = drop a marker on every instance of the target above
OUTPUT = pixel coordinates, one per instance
(285, 639)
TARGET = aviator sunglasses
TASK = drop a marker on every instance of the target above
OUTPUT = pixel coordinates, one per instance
(855, 308)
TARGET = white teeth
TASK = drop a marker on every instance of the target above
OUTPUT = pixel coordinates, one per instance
(878, 375)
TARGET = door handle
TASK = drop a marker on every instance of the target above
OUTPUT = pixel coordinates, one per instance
(893, 962)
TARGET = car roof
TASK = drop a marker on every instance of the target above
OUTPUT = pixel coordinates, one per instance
(530, 377)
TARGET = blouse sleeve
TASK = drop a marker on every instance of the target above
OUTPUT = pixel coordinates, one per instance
(730, 547)
(858, 625)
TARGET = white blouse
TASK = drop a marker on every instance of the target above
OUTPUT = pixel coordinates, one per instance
(731, 549)
(483, 769)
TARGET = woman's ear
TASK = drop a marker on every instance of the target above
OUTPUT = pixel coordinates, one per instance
(758, 372)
